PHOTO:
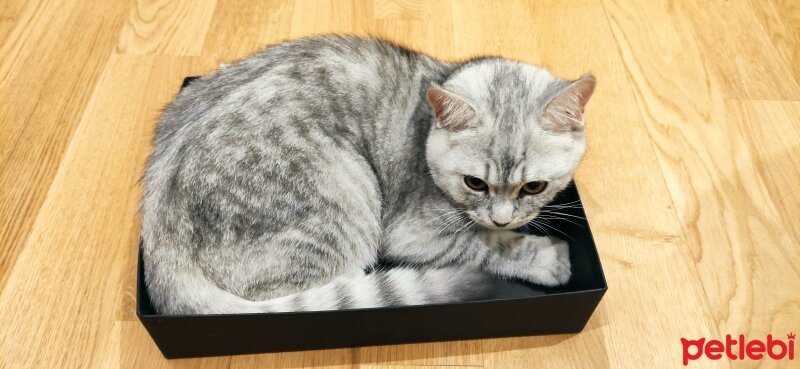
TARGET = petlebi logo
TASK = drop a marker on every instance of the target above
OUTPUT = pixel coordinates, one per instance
(739, 348)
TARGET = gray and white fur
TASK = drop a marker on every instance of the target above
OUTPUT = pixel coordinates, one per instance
(277, 181)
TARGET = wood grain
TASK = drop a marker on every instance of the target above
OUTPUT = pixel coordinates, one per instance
(690, 182)
(780, 20)
(258, 24)
(45, 84)
(166, 27)
(727, 164)
(736, 48)
(411, 367)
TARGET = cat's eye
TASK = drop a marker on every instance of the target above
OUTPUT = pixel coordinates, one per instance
(533, 188)
(476, 184)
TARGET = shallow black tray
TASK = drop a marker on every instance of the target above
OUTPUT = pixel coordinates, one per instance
(515, 309)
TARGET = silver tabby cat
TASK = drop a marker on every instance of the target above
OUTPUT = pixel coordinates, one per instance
(277, 182)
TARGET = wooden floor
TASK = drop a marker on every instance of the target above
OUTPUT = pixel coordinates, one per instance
(691, 182)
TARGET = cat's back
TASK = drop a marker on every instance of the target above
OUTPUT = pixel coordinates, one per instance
(307, 71)
(255, 165)
(311, 92)
(277, 116)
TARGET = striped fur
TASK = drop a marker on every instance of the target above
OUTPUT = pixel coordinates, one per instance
(275, 182)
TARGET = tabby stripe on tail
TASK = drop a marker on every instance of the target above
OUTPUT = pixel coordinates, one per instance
(397, 286)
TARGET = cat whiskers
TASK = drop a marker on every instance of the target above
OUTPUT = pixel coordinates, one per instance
(447, 225)
(544, 227)
(562, 216)
(564, 219)
(470, 223)
(533, 225)
(548, 214)
(571, 204)
(553, 212)
(451, 217)
(447, 214)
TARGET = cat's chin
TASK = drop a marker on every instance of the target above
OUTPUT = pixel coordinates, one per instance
(509, 227)
(493, 227)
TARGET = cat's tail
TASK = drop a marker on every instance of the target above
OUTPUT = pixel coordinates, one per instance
(390, 287)
(380, 288)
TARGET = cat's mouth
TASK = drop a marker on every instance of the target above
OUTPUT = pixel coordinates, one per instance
(487, 222)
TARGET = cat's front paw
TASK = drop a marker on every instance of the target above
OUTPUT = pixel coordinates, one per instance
(549, 261)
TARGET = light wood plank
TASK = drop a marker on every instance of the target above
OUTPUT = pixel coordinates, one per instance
(137, 350)
(257, 24)
(370, 366)
(10, 15)
(45, 83)
(166, 27)
(761, 294)
(456, 353)
(738, 52)
(315, 17)
(586, 350)
(728, 168)
(479, 30)
(416, 24)
(775, 148)
(322, 359)
(781, 21)
(65, 293)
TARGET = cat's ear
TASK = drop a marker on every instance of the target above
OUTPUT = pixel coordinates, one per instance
(453, 113)
(564, 112)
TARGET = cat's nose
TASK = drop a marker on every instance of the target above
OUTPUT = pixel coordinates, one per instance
(500, 224)
(501, 212)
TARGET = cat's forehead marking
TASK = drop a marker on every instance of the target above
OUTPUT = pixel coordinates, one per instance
(507, 163)
(507, 151)
(522, 173)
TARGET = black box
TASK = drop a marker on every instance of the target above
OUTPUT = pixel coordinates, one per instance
(516, 309)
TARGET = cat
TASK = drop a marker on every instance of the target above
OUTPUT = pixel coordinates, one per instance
(279, 182)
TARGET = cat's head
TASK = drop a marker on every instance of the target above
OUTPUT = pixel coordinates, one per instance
(506, 138)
